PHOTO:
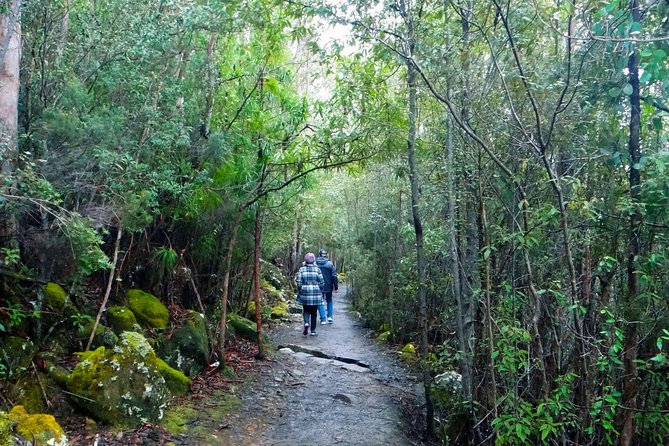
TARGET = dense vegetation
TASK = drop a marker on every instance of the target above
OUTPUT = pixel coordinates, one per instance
(491, 176)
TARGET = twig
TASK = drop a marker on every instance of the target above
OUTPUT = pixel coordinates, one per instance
(41, 386)
(112, 271)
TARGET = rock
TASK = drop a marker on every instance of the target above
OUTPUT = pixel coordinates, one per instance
(280, 311)
(448, 390)
(40, 429)
(122, 319)
(265, 310)
(55, 296)
(28, 393)
(295, 309)
(148, 309)
(385, 336)
(127, 385)
(18, 354)
(286, 350)
(104, 336)
(242, 327)
(355, 368)
(188, 347)
(343, 397)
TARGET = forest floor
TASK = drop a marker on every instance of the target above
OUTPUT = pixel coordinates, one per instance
(338, 388)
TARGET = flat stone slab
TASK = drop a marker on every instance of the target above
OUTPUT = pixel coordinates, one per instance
(286, 350)
(301, 355)
(355, 368)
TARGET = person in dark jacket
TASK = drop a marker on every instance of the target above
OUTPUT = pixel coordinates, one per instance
(331, 283)
(310, 288)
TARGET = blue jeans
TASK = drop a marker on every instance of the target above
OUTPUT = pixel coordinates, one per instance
(328, 301)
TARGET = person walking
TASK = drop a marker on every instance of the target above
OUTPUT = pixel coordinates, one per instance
(331, 282)
(310, 291)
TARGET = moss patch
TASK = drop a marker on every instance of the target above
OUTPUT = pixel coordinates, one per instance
(242, 327)
(148, 309)
(128, 384)
(122, 319)
(280, 311)
(18, 353)
(188, 347)
(28, 394)
(55, 296)
(385, 336)
(6, 437)
(178, 418)
(41, 429)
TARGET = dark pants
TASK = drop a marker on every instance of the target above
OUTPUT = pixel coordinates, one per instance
(312, 311)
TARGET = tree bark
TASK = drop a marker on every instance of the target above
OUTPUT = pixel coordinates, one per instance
(10, 59)
(630, 386)
(420, 252)
(256, 279)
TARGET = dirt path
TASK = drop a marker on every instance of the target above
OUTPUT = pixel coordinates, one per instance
(300, 398)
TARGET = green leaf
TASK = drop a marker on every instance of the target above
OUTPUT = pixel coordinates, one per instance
(647, 52)
(628, 89)
(614, 92)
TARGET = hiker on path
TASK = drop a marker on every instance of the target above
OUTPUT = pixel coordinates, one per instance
(310, 291)
(329, 272)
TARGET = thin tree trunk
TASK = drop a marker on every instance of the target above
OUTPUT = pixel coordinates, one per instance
(225, 287)
(110, 281)
(256, 279)
(211, 82)
(630, 384)
(465, 361)
(64, 30)
(420, 254)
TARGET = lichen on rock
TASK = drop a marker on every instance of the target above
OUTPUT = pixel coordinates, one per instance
(122, 319)
(127, 385)
(40, 429)
(148, 309)
(187, 349)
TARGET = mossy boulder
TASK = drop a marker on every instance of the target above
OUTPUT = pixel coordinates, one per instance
(6, 436)
(148, 309)
(242, 327)
(55, 296)
(408, 353)
(265, 310)
(40, 429)
(104, 336)
(187, 349)
(385, 336)
(28, 393)
(280, 311)
(122, 319)
(17, 353)
(127, 385)
(273, 275)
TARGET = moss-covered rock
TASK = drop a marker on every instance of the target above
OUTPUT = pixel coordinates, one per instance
(242, 327)
(40, 429)
(104, 336)
(148, 309)
(6, 436)
(55, 296)
(273, 275)
(385, 336)
(187, 349)
(17, 353)
(126, 385)
(28, 393)
(280, 311)
(265, 310)
(408, 353)
(122, 319)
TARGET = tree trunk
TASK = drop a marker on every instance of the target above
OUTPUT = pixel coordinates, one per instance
(256, 279)
(630, 384)
(225, 287)
(465, 360)
(10, 61)
(211, 81)
(420, 254)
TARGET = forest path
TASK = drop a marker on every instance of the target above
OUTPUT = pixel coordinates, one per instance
(361, 398)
